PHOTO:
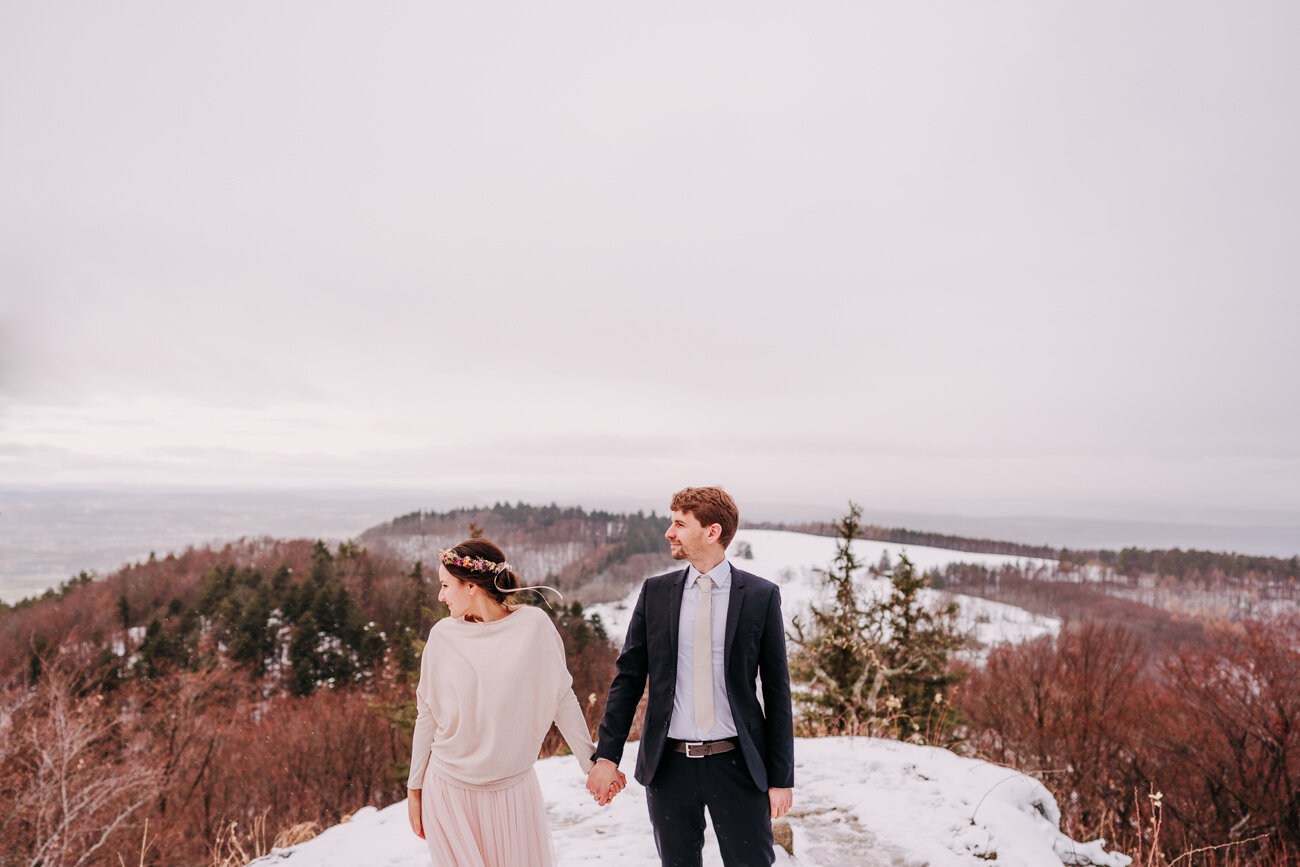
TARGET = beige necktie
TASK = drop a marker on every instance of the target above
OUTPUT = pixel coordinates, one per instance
(704, 655)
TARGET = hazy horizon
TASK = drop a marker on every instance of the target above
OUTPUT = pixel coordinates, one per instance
(50, 534)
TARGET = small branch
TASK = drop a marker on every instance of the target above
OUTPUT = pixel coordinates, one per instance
(1220, 846)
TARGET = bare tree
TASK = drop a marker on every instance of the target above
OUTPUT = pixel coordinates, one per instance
(78, 782)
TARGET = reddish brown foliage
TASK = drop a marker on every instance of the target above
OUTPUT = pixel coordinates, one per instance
(209, 753)
(1069, 708)
(1231, 731)
(1214, 727)
(71, 778)
(190, 755)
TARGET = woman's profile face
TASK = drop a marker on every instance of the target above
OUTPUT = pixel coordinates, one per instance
(453, 593)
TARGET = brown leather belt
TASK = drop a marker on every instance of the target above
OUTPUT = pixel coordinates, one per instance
(700, 749)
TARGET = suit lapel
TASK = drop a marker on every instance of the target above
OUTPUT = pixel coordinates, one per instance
(734, 600)
(674, 612)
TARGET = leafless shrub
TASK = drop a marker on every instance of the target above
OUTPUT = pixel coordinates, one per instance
(71, 781)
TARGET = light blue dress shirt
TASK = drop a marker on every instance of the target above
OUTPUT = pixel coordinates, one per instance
(682, 726)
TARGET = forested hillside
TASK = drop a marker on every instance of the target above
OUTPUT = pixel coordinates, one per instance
(228, 697)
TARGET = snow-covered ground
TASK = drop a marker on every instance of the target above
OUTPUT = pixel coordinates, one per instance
(792, 560)
(859, 802)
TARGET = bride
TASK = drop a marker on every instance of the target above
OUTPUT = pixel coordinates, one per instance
(492, 680)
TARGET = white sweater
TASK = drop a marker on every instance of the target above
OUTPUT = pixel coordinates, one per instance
(488, 693)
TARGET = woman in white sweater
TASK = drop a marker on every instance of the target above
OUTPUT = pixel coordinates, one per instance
(492, 680)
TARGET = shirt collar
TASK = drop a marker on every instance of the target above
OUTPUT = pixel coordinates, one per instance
(720, 574)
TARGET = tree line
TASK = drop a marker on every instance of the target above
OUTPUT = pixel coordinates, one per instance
(1192, 563)
(904, 536)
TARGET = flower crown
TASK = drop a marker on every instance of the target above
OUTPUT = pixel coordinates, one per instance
(473, 564)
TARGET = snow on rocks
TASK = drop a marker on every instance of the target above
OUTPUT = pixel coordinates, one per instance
(858, 802)
(901, 804)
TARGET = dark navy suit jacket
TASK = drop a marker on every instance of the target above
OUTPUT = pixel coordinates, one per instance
(754, 646)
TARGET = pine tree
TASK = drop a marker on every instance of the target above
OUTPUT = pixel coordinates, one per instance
(304, 656)
(156, 650)
(834, 658)
(405, 655)
(280, 581)
(124, 611)
(254, 640)
(878, 667)
(322, 564)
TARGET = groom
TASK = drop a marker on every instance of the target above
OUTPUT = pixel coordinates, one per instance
(702, 636)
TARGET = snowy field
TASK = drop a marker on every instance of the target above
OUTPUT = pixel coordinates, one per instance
(859, 802)
(791, 560)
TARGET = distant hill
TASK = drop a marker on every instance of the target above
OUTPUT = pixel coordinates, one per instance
(592, 555)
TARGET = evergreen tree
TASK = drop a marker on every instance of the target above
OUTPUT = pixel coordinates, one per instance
(156, 650)
(304, 656)
(36, 658)
(370, 648)
(405, 655)
(215, 589)
(322, 564)
(914, 661)
(419, 612)
(325, 606)
(106, 671)
(280, 581)
(254, 639)
(876, 667)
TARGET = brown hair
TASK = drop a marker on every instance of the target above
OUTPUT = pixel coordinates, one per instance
(710, 505)
(497, 585)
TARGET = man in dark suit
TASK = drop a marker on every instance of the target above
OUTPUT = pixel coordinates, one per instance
(702, 636)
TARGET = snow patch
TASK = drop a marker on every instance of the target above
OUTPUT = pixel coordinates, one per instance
(858, 802)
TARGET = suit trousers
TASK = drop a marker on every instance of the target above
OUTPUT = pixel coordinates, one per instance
(681, 790)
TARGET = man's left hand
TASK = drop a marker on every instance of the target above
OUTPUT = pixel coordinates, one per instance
(781, 799)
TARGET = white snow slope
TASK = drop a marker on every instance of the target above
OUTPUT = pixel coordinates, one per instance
(791, 560)
(858, 802)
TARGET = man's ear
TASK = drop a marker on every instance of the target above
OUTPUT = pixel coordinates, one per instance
(715, 532)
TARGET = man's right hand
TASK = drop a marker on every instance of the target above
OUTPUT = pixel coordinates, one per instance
(605, 781)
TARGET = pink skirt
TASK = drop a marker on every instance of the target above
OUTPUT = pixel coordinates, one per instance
(477, 828)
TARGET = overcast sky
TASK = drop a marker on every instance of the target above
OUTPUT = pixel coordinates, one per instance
(1018, 258)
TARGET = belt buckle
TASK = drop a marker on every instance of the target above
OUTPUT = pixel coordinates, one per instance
(691, 755)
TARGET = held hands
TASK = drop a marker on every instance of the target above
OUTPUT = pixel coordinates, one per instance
(605, 781)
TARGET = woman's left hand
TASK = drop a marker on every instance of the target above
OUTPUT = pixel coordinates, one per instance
(413, 809)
